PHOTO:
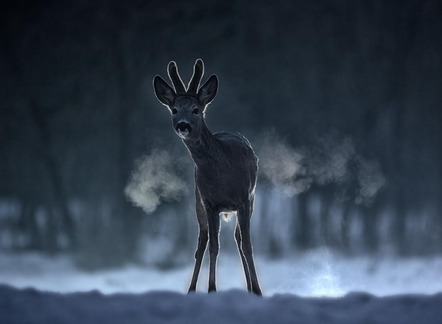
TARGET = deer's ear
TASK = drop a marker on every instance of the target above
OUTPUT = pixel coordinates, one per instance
(208, 90)
(165, 94)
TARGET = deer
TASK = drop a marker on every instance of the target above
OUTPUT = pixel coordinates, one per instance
(226, 170)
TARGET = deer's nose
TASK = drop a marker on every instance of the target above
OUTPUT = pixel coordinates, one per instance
(183, 128)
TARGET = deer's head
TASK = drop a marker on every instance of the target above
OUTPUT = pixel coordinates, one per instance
(187, 106)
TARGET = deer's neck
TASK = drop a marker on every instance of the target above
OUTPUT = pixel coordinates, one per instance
(204, 149)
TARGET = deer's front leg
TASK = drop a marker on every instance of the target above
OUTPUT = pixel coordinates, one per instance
(202, 243)
(213, 221)
(202, 240)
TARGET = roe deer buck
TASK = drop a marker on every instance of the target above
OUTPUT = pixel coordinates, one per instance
(225, 169)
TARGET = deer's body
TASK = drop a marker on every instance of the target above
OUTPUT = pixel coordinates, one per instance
(226, 169)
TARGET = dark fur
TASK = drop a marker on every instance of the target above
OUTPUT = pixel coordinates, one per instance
(226, 169)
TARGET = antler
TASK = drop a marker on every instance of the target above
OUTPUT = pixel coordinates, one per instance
(175, 78)
(198, 71)
(194, 83)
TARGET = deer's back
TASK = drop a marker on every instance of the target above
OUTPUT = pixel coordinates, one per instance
(238, 150)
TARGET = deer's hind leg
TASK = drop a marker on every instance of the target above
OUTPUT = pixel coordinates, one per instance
(244, 215)
(243, 259)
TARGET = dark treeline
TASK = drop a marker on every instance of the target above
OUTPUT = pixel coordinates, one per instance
(78, 109)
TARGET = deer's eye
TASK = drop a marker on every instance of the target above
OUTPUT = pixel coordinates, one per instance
(174, 111)
(195, 111)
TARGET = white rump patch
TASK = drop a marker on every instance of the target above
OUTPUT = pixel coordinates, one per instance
(227, 215)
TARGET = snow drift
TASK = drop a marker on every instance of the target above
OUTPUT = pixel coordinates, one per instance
(234, 306)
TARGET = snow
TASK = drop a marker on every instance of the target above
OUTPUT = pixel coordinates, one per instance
(313, 287)
(234, 306)
(309, 274)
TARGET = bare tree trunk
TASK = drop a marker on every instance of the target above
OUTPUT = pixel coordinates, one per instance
(28, 225)
(126, 218)
(59, 193)
(303, 237)
(51, 233)
(39, 115)
(326, 200)
(370, 229)
(345, 227)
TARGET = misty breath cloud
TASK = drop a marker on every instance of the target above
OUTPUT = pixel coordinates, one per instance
(283, 165)
(156, 178)
(332, 159)
(329, 160)
(370, 179)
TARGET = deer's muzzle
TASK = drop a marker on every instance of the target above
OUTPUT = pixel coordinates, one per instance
(183, 129)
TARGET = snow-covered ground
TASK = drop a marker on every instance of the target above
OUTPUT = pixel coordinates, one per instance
(355, 291)
(234, 306)
(313, 274)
